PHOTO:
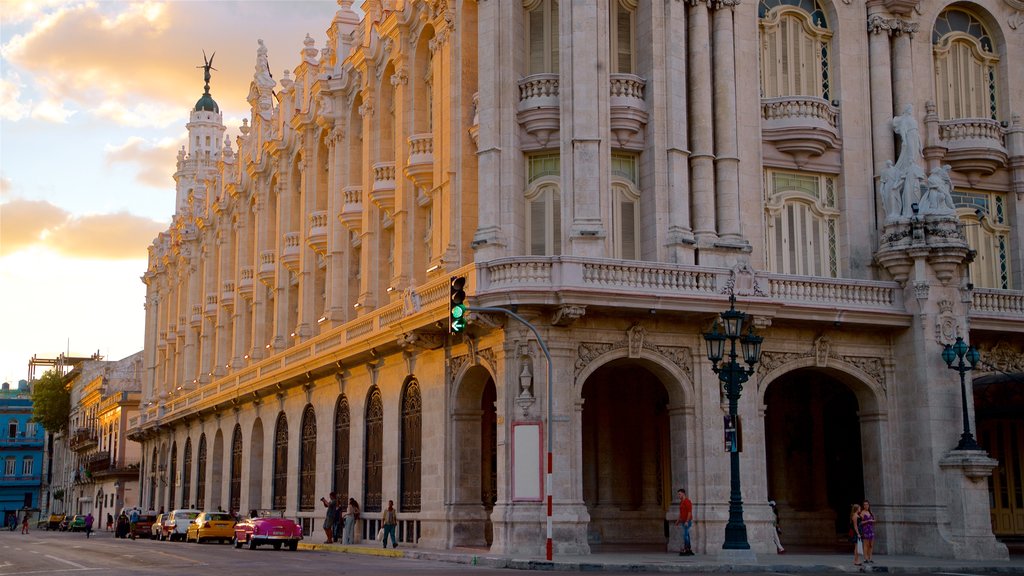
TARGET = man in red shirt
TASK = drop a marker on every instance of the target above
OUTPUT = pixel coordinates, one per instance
(686, 520)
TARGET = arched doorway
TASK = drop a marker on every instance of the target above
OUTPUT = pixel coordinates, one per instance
(814, 459)
(999, 410)
(255, 479)
(475, 446)
(626, 443)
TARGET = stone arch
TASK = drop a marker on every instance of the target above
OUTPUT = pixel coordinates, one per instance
(473, 476)
(667, 369)
(342, 446)
(411, 445)
(217, 471)
(201, 464)
(256, 456)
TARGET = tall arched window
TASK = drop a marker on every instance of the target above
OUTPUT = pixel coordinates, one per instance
(542, 36)
(625, 204)
(412, 453)
(307, 467)
(201, 474)
(543, 206)
(801, 217)
(623, 36)
(235, 497)
(152, 481)
(987, 228)
(965, 67)
(795, 47)
(374, 453)
(280, 492)
(341, 446)
(174, 476)
(186, 474)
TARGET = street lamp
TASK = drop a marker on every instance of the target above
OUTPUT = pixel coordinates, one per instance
(958, 351)
(732, 376)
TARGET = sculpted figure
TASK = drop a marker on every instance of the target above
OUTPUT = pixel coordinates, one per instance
(890, 189)
(938, 198)
(907, 165)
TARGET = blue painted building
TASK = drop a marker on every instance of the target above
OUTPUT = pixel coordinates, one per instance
(21, 453)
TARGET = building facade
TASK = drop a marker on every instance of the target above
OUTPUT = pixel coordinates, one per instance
(95, 465)
(21, 453)
(612, 171)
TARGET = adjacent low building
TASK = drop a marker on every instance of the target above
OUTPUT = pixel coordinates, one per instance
(21, 453)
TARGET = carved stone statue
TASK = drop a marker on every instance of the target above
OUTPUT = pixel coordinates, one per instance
(938, 197)
(900, 184)
(890, 188)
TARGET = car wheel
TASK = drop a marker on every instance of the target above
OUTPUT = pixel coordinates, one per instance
(293, 545)
(238, 543)
(252, 543)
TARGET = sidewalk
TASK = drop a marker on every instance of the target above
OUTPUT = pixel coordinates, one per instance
(649, 561)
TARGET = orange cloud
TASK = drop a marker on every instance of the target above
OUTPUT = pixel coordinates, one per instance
(155, 162)
(118, 236)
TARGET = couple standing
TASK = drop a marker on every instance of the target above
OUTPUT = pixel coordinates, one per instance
(338, 521)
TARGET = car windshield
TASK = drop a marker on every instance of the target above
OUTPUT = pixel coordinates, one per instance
(186, 515)
(146, 518)
(219, 516)
(268, 514)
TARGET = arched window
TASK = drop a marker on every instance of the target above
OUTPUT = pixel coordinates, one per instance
(341, 446)
(374, 453)
(412, 453)
(186, 474)
(235, 497)
(12, 428)
(625, 203)
(280, 493)
(623, 36)
(795, 47)
(152, 481)
(543, 206)
(988, 233)
(201, 474)
(542, 36)
(174, 477)
(965, 67)
(307, 467)
(801, 217)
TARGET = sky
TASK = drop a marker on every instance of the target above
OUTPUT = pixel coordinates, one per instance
(94, 98)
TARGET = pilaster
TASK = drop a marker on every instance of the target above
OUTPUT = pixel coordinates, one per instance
(701, 113)
(727, 186)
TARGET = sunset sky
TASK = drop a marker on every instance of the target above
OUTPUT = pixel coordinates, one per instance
(94, 98)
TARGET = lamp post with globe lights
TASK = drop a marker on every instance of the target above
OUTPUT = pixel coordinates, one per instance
(958, 352)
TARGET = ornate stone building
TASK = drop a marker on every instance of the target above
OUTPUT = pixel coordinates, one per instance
(612, 170)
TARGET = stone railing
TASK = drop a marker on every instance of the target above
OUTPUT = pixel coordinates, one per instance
(421, 145)
(227, 293)
(627, 86)
(383, 192)
(291, 251)
(268, 267)
(317, 236)
(383, 172)
(211, 305)
(980, 129)
(197, 315)
(800, 125)
(538, 110)
(973, 145)
(161, 339)
(1004, 303)
(538, 90)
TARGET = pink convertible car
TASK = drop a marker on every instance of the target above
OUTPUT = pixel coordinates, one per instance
(267, 527)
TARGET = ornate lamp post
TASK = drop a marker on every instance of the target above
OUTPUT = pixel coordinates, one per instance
(732, 376)
(958, 351)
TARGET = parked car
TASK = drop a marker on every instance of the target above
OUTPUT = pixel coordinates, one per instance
(268, 527)
(144, 526)
(54, 521)
(175, 525)
(218, 526)
(157, 529)
(77, 523)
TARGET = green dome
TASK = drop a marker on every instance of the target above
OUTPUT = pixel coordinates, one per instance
(206, 103)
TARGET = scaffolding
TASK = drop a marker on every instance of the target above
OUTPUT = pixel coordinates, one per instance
(62, 364)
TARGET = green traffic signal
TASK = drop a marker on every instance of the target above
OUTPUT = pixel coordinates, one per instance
(456, 305)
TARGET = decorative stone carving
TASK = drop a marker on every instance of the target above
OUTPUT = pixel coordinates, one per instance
(455, 364)
(872, 366)
(1016, 19)
(587, 352)
(635, 336)
(1004, 358)
(421, 340)
(635, 342)
(821, 351)
(567, 314)
(921, 290)
(742, 281)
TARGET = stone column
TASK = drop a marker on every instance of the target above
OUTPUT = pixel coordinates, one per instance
(966, 473)
(225, 313)
(152, 333)
(283, 301)
(880, 80)
(902, 62)
(262, 242)
(190, 360)
(337, 237)
(702, 158)
(680, 234)
(208, 328)
(404, 227)
(727, 186)
(242, 317)
(308, 259)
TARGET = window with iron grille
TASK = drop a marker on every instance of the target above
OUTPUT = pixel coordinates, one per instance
(235, 497)
(152, 481)
(307, 479)
(801, 217)
(186, 473)
(280, 495)
(201, 474)
(174, 477)
(795, 45)
(341, 447)
(966, 71)
(987, 227)
(411, 447)
(374, 453)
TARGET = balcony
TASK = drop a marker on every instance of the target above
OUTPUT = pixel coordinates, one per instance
(801, 126)
(197, 316)
(20, 440)
(538, 110)
(245, 283)
(227, 294)
(210, 311)
(420, 167)
(973, 145)
(268, 268)
(383, 193)
(97, 462)
(291, 252)
(124, 471)
(161, 340)
(628, 110)
(352, 208)
(83, 439)
(317, 236)
(21, 480)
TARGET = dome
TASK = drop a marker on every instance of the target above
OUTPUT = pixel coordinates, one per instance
(206, 103)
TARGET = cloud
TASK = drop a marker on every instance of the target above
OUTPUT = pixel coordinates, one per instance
(155, 161)
(12, 105)
(28, 223)
(18, 11)
(5, 186)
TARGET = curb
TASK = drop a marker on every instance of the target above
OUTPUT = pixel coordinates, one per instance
(350, 549)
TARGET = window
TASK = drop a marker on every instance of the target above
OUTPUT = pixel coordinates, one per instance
(174, 475)
(801, 218)
(280, 495)
(542, 36)
(12, 428)
(623, 35)
(412, 419)
(374, 453)
(30, 428)
(26, 466)
(201, 474)
(186, 476)
(543, 206)
(988, 234)
(625, 201)
(307, 475)
(341, 439)
(9, 465)
(235, 495)
(965, 67)
(795, 45)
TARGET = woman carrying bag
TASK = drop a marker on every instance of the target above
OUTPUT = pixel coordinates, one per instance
(855, 537)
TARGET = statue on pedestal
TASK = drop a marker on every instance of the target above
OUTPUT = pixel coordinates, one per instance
(900, 183)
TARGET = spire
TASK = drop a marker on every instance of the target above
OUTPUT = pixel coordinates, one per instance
(206, 102)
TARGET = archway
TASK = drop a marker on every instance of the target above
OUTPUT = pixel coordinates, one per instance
(626, 443)
(814, 457)
(999, 410)
(475, 447)
(217, 469)
(256, 466)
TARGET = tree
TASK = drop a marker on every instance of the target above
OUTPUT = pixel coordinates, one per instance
(51, 402)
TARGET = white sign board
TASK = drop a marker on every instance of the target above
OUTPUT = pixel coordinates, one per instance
(526, 461)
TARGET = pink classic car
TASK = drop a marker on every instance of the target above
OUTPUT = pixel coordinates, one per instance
(267, 527)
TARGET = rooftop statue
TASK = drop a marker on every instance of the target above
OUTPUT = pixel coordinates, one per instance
(900, 184)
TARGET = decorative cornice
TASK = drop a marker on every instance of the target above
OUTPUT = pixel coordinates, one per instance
(892, 26)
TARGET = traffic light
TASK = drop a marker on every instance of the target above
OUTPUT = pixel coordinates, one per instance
(456, 306)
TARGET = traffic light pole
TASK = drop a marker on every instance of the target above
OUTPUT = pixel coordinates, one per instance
(549, 432)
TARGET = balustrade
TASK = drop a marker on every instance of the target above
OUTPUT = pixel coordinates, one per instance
(317, 238)
(268, 267)
(973, 145)
(291, 251)
(538, 110)
(802, 126)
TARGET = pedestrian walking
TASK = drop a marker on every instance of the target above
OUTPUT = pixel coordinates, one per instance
(110, 522)
(133, 519)
(777, 533)
(867, 532)
(389, 520)
(685, 520)
(88, 524)
(855, 537)
(332, 516)
(24, 522)
(351, 517)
